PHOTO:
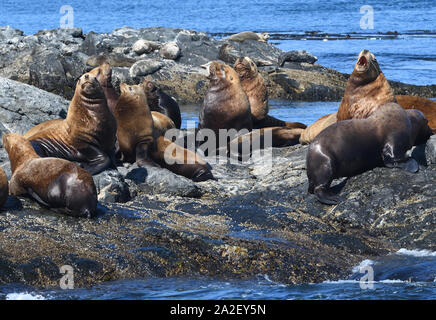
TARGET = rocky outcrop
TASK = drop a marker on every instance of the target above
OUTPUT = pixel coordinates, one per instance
(53, 59)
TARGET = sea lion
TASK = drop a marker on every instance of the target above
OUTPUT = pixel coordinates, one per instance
(426, 106)
(225, 104)
(161, 102)
(254, 87)
(350, 147)
(296, 56)
(88, 133)
(103, 73)
(367, 89)
(180, 160)
(134, 125)
(53, 182)
(248, 35)
(161, 123)
(315, 128)
(4, 188)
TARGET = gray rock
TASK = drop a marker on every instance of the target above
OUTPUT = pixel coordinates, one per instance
(111, 187)
(7, 33)
(296, 56)
(23, 106)
(430, 150)
(144, 67)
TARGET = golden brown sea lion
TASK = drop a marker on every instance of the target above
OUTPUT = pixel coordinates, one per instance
(161, 102)
(180, 160)
(315, 128)
(367, 89)
(161, 123)
(426, 106)
(351, 147)
(4, 188)
(53, 182)
(103, 73)
(225, 105)
(254, 87)
(88, 133)
(134, 125)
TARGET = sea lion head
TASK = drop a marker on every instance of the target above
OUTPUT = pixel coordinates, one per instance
(245, 67)
(103, 73)
(420, 130)
(132, 93)
(18, 149)
(149, 88)
(222, 74)
(89, 87)
(366, 68)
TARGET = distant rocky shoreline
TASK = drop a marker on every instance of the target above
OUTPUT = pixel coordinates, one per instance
(52, 59)
(153, 223)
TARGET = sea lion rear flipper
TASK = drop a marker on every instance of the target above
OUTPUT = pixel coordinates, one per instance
(326, 196)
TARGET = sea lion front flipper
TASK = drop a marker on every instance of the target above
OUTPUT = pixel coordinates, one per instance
(393, 159)
(35, 196)
(409, 165)
(94, 160)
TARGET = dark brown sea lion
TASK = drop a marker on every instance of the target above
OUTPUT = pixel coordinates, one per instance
(180, 160)
(228, 54)
(88, 133)
(350, 147)
(225, 105)
(134, 125)
(254, 86)
(53, 182)
(426, 106)
(4, 188)
(367, 89)
(103, 73)
(161, 102)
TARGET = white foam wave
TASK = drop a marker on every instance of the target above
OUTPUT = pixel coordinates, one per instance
(24, 296)
(364, 263)
(416, 253)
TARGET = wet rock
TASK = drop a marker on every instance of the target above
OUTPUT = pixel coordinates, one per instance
(144, 67)
(170, 51)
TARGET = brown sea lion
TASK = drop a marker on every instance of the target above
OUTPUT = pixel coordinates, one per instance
(225, 105)
(180, 160)
(103, 73)
(161, 123)
(4, 188)
(134, 125)
(88, 133)
(362, 144)
(254, 86)
(367, 89)
(315, 128)
(53, 182)
(161, 102)
(426, 106)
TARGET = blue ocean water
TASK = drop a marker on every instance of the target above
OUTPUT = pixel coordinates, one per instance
(404, 42)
